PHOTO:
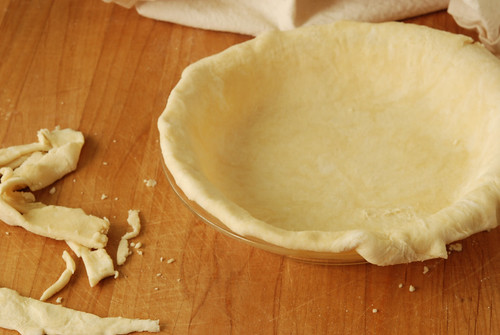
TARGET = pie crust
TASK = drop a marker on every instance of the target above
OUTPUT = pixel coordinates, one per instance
(382, 139)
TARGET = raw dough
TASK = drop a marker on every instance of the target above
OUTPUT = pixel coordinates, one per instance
(380, 138)
(38, 165)
(32, 317)
(123, 250)
(63, 279)
(30, 167)
(35, 166)
(98, 263)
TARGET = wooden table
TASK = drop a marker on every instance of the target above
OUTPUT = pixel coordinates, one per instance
(107, 72)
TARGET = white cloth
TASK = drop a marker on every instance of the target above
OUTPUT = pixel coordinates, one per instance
(253, 17)
(256, 16)
(481, 15)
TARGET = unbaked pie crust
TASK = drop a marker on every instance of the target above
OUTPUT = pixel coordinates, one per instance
(379, 138)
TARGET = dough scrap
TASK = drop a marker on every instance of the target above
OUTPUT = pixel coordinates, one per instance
(63, 279)
(33, 317)
(35, 166)
(30, 167)
(55, 155)
(123, 247)
(379, 138)
(98, 263)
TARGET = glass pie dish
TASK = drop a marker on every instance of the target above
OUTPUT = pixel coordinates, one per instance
(324, 258)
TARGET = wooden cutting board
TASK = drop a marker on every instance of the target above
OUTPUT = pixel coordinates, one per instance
(107, 72)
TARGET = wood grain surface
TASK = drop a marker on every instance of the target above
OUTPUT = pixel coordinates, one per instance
(107, 72)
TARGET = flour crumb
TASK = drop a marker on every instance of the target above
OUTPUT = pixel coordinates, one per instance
(104, 163)
(150, 182)
(455, 247)
(140, 252)
(162, 259)
(374, 310)
(59, 300)
(412, 288)
(52, 190)
(104, 196)
(400, 285)
(426, 269)
(7, 233)
(158, 275)
(138, 245)
(117, 274)
(171, 260)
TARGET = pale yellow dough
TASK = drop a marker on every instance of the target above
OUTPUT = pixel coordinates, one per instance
(63, 278)
(30, 167)
(35, 166)
(32, 317)
(379, 138)
(123, 247)
(38, 165)
(98, 263)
